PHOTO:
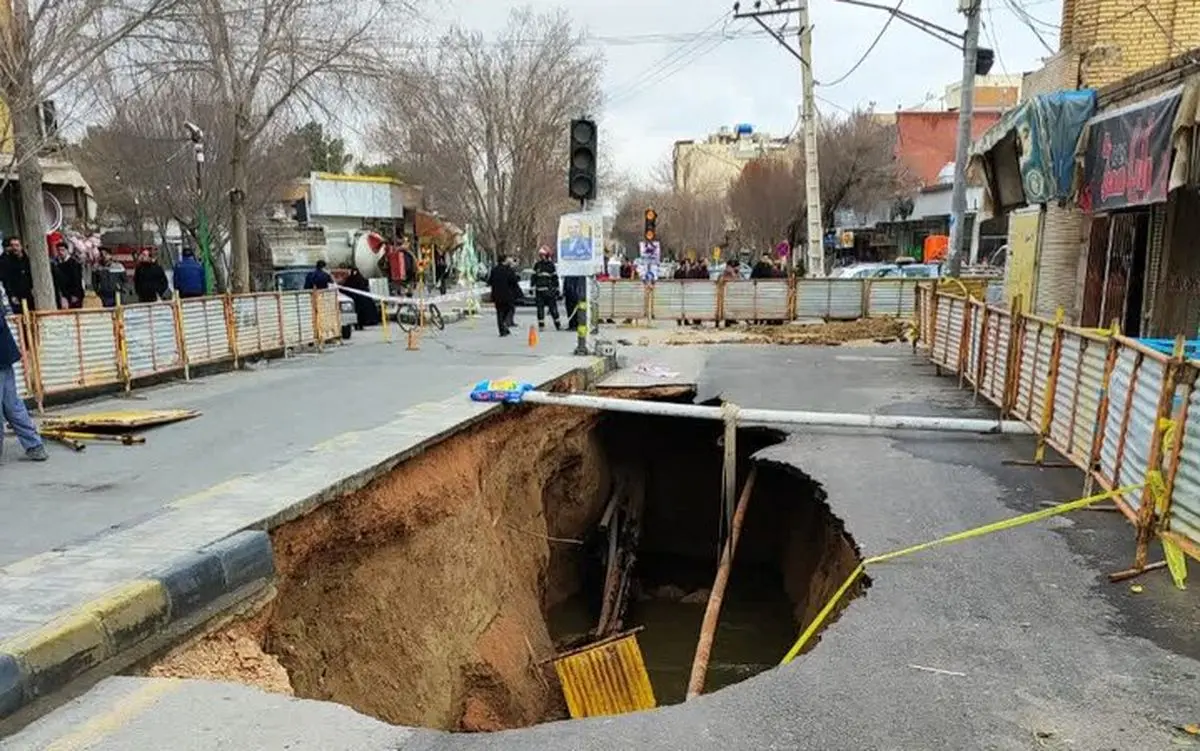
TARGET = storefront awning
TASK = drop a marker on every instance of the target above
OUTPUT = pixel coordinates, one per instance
(1029, 156)
(1127, 152)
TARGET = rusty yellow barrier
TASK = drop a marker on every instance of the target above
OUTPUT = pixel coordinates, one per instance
(605, 678)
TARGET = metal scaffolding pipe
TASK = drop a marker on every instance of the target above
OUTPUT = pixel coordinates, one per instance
(779, 416)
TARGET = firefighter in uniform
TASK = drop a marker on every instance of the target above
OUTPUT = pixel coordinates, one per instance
(545, 288)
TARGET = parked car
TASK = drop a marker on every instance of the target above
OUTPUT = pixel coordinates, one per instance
(867, 271)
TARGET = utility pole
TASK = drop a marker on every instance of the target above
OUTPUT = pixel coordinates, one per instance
(966, 112)
(812, 172)
(202, 238)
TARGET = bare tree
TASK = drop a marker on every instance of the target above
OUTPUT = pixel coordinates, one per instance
(483, 124)
(140, 163)
(260, 59)
(687, 224)
(46, 49)
(765, 200)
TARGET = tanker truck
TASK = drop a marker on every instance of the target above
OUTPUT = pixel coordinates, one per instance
(294, 253)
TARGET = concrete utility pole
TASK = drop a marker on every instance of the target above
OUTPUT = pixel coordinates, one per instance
(966, 111)
(808, 110)
(812, 171)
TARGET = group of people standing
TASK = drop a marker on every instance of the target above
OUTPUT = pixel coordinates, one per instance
(546, 288)
(109, 278)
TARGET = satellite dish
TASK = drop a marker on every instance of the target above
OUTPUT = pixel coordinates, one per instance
(53, 212)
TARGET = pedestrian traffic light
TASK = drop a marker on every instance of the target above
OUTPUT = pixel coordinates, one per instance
(984, 58)
(581, 175)
(651, 232)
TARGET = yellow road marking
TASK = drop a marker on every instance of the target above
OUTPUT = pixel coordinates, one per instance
(126, 709)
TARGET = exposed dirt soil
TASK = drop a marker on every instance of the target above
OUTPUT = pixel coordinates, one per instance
(422, 599)
(863, 331)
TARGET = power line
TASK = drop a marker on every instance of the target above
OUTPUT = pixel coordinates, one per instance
(991, 32)
(1028, 20)
(886, 24)
(673, 62)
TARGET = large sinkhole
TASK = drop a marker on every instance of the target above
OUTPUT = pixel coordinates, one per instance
(436, 596)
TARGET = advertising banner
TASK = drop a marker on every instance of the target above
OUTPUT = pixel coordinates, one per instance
(580, 244)
(1128, 159)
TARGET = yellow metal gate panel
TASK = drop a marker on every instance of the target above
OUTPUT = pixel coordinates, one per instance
(1024, 233)
(606, 678)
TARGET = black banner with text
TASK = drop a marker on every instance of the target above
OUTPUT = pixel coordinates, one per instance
(1128, 159)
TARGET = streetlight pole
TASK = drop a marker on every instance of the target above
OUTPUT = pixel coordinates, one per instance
(966, 113)
(202, 239)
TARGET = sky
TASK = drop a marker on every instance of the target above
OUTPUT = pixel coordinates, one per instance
(679, 69)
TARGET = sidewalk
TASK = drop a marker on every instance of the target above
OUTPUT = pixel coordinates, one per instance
(252, 421)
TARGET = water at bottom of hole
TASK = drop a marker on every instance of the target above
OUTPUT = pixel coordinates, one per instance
(754, 632)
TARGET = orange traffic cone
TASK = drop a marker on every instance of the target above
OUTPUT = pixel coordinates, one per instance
(533, 336)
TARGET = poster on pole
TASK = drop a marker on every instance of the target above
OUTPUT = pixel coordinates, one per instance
(649, 257)
(580, 244)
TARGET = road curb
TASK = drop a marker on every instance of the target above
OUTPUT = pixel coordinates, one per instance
(46, 659)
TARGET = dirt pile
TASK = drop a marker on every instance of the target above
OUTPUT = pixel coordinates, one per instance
(862, 331)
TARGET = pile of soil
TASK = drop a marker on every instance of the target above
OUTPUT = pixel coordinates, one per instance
(862, 331)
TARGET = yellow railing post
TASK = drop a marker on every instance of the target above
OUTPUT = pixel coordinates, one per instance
(231, 326)
(318, 334)
(180, 336)
(1039, 453)
(118, 320)
(1162, 414)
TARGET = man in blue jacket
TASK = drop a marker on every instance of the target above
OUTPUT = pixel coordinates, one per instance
(13, 408)
(189, 275)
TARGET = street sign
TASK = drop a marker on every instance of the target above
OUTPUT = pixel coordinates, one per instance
(580, 244)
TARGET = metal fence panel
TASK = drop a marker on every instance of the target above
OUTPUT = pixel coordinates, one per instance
(838, 299)
(892, 297)
(205, 336)
(1124, 462)
(24, 376)
(944, 351)
(619, 299)
(975, 341)
(995, 370)
(330, 314)
(297, 318)
(77, 350)
(245, 325)
(270, 323)
(1091, 390)
(756, 299)
(1061, 434)
(1184, 518)
(151, 343)
(684, 299)
(1037, 347)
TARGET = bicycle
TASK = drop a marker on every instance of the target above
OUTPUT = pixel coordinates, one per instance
(413, 314)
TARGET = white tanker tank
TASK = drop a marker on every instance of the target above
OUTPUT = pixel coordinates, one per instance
(369, 254)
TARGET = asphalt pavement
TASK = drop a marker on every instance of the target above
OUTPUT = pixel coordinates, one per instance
(1011, 641)
(252, 421)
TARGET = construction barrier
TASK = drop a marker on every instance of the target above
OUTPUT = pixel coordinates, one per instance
(77, 350)
(605, 678)
(1118, 408)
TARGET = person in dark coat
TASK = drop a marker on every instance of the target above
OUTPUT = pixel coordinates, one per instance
(574, 290)
(764, 269)
(441, 269)
(12, 409)
(318, 278)
(189, 275)
(70, 274)
(366, 310)
(150, 279)
(16, 275)
(108, 279)
(506, 290)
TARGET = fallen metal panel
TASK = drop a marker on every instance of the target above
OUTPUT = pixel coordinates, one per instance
(1184, 518)
(607, 678)
(151, 344)
(756, 299)
(693, 300)
(205, 335)
(145, 418)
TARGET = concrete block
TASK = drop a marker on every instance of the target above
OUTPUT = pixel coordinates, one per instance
(245, 557)
(12, 688)
(131, 612)
(55, 654)
(192, 581)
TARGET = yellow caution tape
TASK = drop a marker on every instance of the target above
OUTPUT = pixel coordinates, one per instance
(1172, 553)
(986, 529)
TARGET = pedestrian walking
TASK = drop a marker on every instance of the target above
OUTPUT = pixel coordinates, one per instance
(13, 408)
(16, 275)
(318, 278)
(150, 279)
(506, 290)
(108, 279)
(545, 288)
(70, 274)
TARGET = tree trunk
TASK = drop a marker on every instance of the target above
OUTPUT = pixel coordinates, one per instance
(239, 236)
(26, 140)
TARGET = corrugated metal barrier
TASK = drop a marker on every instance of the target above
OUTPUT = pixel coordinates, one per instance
(684, 299)
(621, 299)
(1120, 409)
(69, 350)
(605, 678)
(16, 324)
(757, 299)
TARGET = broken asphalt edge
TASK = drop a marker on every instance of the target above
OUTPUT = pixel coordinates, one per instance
(109, 633)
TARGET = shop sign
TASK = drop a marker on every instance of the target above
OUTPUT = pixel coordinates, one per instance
(1128, 159)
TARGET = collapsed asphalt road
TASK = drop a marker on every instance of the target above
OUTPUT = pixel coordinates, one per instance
(1036, 648)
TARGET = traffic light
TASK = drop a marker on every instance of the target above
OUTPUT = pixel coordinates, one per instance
(581, 176)
(651, 232)
(984, 58)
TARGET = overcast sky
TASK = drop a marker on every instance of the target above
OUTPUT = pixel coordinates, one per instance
(686, 86)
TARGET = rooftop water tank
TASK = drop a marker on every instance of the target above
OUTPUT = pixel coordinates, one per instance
(743, 129)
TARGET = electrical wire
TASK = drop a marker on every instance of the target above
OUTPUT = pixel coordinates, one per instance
(1027, 19)
(673, 62)
(883, 30)
(991, 34)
